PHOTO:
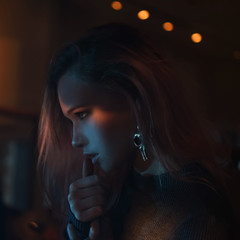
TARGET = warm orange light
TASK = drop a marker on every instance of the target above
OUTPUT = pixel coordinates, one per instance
(168, 26)
(196, 37)
(116, 5)
(143, 15)
(236, 54)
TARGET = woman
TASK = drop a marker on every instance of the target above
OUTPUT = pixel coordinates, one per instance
(126, 155)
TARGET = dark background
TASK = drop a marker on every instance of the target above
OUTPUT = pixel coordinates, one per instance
(31, 31)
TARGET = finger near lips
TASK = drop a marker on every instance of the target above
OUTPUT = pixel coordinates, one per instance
(87, 196)
(87, 168)
(88, 182)
(85, 182)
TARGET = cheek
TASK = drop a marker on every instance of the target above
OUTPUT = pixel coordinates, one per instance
(113, 140)
(116, 142)
(109, 125)
(116, 131)
(111, 134)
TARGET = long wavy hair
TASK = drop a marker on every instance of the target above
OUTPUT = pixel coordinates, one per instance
(121, 59)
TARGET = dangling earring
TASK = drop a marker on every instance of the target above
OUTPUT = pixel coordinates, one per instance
(138, 142)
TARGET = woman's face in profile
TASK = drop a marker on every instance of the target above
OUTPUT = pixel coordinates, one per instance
(103, 124)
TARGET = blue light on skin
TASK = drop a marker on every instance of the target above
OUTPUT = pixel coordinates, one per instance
(103, 124)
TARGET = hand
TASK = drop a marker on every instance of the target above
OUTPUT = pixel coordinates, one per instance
(87, 198)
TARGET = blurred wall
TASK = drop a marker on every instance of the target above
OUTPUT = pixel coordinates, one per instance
(26, 29)
(31, 32)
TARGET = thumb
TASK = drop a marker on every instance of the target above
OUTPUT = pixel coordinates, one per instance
(94, 230)
(72, 232)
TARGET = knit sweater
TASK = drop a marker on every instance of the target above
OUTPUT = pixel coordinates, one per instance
(166, 208)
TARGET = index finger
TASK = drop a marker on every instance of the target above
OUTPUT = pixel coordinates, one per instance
(87, 168)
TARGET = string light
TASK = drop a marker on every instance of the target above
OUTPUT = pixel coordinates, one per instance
(116, 5)
(143, 14)
(196, 37)
(168, 26)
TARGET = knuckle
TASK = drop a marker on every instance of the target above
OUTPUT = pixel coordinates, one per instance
(81, 217)
(73, 208)
(78, 216)
(71, 196)
(76, 212)
(72, 187)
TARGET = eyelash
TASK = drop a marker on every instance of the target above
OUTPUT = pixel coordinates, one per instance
(82, 115)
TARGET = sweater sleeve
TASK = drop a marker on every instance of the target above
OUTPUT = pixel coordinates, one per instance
(82, 228)
(201, 227)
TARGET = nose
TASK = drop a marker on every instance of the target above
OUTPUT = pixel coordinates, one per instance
(79, 140)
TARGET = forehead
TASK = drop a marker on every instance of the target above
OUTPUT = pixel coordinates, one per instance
(71, 89)
(72, 92)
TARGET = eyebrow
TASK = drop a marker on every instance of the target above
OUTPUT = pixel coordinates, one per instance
(78, 106)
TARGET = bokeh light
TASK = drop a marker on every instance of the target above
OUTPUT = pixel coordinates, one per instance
(168, 26)
(236, 54)
(143, 14)
(116, 5)
(196, 37)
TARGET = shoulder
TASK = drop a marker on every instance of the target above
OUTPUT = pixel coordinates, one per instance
(202, 209)
(202, 227)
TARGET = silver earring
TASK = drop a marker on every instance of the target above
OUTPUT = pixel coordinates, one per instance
(138, 142)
